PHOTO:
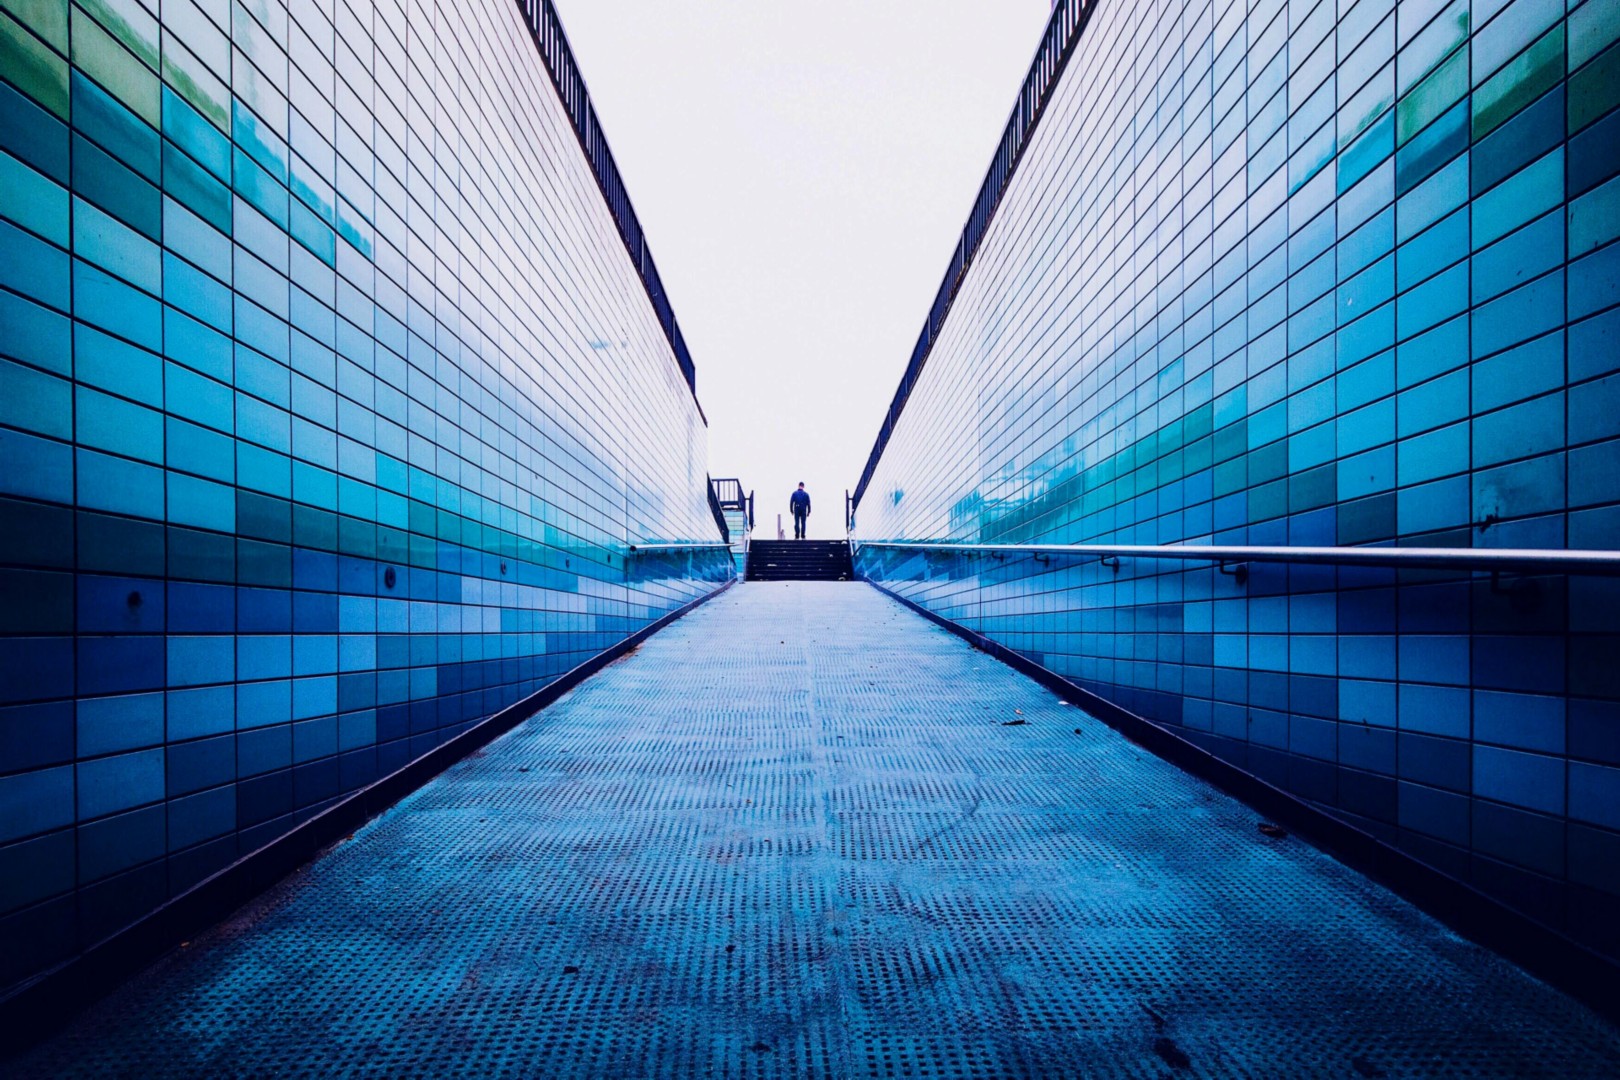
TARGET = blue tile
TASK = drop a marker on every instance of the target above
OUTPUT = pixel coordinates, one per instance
(112, 724)
(35, 802)
(1436, 762)
(1522, 721)
(1533, 841)
(1434, 710)
(1533, 781)
(37, 869)
(1594, 794)
(199, 764)
(204, 816)
(32, 736)
(1432, 812)
(107, 785)
(118, 843)
(112, 665)
(33, 669)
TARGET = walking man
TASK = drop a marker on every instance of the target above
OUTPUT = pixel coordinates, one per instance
(800, 505)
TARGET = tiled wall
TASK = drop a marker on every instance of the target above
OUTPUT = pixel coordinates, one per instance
(329, 403)
(1299, 272)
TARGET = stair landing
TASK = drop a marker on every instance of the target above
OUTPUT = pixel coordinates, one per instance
(799, 560)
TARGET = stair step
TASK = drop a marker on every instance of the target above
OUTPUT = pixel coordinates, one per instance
(799, 560)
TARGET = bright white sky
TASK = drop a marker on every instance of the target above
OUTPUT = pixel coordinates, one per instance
(803, 172)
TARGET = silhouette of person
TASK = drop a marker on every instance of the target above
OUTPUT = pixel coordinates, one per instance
(799, 503)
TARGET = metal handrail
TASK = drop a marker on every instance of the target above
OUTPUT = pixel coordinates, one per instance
(642, 549)
(718, 513)
(1559, 560)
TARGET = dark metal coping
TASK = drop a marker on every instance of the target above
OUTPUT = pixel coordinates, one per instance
(1578, 971)
(1063, 29)
(35, 1010)
(564, 69)
(718, 510)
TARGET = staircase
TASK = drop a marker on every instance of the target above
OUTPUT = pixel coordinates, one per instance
(799, 560)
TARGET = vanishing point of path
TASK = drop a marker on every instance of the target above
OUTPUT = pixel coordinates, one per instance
(802, 833)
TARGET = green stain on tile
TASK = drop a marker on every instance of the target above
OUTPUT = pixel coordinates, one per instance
(1524, 79)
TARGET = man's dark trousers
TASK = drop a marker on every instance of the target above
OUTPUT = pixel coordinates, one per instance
(799, 506)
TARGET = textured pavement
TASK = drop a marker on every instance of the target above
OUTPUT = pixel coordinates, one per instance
(805, 833)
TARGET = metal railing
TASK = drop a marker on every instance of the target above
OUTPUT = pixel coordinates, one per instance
(1069, 18)
(1496, 560)
(719, 514)
(547, 29)
(728, 491)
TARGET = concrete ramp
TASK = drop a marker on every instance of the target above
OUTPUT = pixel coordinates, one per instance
(805, 833)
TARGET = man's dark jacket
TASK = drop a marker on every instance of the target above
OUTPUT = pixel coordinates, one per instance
(800, 504)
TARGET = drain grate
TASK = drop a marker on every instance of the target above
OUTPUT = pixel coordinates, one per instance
(792, 837)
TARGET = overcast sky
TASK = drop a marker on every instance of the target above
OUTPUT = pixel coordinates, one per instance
(803, 172)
